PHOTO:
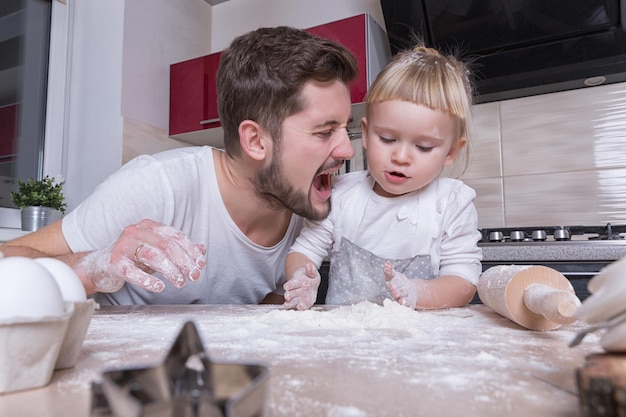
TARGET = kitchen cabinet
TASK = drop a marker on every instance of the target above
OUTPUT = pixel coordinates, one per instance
(367, 41)
(350, 33)
(193, 95)
(370, 46)
(8, 133)
(193, 100)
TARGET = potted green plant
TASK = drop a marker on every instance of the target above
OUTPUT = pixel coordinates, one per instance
(39, 200)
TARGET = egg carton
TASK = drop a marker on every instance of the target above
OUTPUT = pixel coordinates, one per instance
(31, 350)
(186, 384)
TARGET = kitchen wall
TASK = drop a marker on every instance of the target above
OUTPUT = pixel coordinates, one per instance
(556, 158)
(116, 99)
(553, 159)
(118, 79)
(146, 78)
(235, 17)
(184, 32)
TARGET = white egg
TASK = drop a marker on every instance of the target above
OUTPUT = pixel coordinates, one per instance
(68, 281)
(28, 290)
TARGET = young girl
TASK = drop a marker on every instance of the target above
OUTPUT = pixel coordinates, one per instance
(399, 230)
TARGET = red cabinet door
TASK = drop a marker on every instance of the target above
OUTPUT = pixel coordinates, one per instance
(193, 95)
(351, 33)
(9, 120)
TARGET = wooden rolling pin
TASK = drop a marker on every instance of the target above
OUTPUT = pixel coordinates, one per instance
(533, 296)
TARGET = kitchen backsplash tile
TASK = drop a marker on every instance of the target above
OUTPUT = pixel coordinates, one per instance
(570, 131)
(485, 159)
(557, 158)
(141, 138)
(563, 158)
(566, 198)
(489, 201)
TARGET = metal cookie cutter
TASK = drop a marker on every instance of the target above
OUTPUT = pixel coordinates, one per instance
(186, 384)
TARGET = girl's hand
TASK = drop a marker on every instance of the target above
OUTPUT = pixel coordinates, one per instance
(301, 288)
(402, 288)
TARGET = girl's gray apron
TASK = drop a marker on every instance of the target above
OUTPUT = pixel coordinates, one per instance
(356, 274)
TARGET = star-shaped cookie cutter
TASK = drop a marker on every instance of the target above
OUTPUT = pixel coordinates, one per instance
(186, 384)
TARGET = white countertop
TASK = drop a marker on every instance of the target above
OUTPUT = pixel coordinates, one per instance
(7, 234)
(579, 250)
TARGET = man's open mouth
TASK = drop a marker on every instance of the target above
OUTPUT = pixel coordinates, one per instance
(322, 182)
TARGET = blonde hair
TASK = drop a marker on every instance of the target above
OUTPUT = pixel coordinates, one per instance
(426, 77)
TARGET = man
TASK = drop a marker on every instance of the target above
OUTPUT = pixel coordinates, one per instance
(201, 225)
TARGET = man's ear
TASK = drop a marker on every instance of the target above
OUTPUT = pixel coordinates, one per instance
(455, 151)
(252, 141)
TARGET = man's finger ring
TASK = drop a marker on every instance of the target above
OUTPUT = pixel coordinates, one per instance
(137, 251)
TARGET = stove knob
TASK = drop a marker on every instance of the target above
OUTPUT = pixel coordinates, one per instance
(561, 234)
(517, 236)
(496, 236)
(539, 235)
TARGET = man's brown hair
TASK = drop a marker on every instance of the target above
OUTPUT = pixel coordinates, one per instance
(261, 75)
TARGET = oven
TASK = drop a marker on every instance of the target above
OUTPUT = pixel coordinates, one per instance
(578, 252)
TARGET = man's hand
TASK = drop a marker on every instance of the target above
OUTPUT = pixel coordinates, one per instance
(402, 288)
(301, 288)
(141, 250)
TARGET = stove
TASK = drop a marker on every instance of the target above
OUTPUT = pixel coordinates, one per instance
(542, 234)
(578, 252)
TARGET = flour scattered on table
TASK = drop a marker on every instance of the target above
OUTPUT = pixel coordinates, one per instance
(363, 352)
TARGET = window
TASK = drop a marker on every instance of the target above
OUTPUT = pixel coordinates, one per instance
(24, 43)
(24, 47)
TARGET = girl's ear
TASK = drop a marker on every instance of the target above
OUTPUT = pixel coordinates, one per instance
(252, 140)
(364, 132)
(455, 151)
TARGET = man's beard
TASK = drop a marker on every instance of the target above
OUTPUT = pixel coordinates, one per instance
(272, 185)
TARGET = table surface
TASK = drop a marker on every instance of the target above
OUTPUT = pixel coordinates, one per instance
(353, 361)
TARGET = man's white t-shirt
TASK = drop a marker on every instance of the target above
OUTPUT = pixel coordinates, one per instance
(179, 188)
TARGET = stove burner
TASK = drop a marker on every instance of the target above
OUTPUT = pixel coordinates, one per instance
(553, 233)
(539, 235)
(561, 234)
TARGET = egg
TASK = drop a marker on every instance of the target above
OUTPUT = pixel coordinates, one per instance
(68, 281)
(29, 291)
